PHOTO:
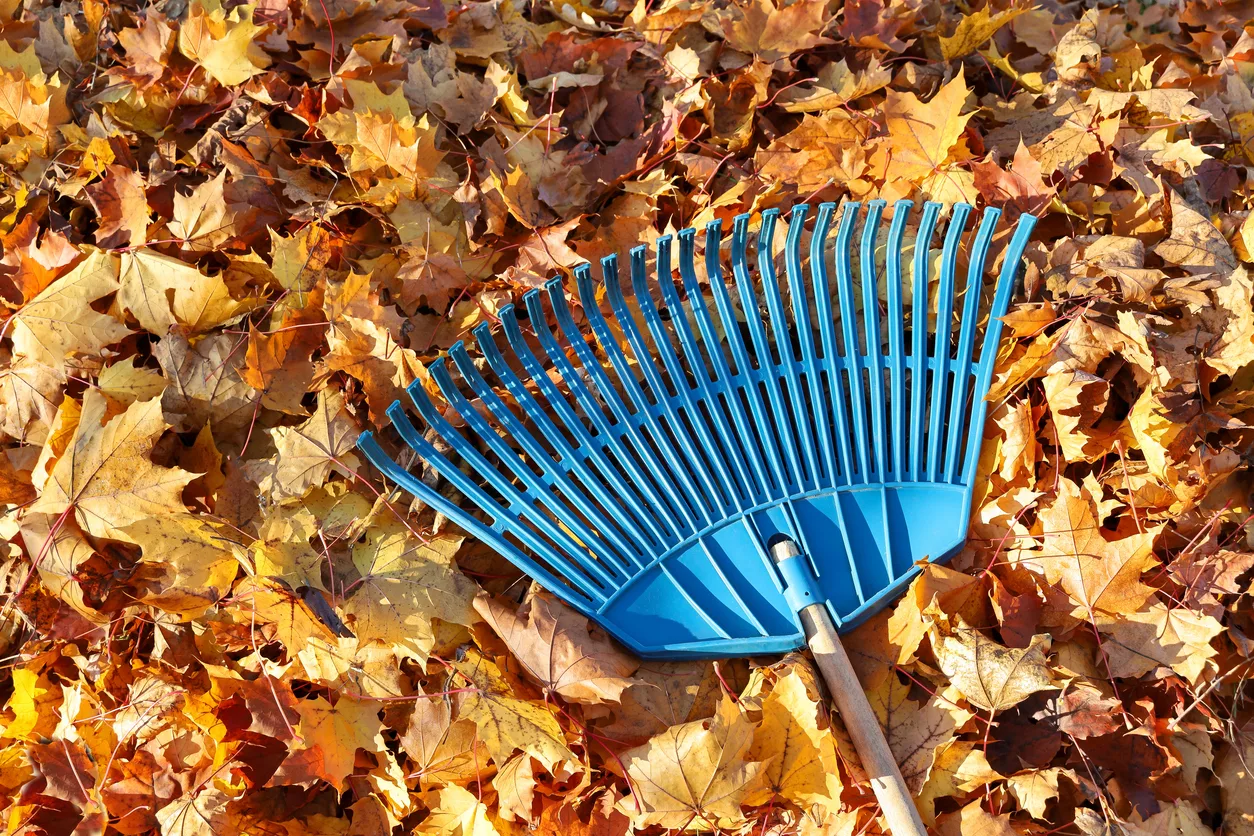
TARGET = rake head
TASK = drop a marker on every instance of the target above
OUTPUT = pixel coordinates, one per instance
(642, 477)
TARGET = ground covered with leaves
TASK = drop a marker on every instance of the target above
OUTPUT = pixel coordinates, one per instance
(232, 233)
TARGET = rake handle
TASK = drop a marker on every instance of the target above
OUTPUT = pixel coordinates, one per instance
(894, 797)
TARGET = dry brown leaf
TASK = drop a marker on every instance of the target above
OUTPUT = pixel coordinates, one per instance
(993, 677)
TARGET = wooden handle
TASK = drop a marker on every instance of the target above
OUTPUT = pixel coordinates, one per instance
(860, 720)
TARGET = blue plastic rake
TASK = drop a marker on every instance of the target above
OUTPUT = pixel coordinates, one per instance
(647, 501)
(648, 480)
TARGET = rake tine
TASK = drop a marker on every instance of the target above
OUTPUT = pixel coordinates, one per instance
(716, 448)
(669, 415)
(554, 470)
(944, 328)
(849, 327)
(536, 489)
(581, 594)
(761, 347)
(919, 328)
(874, 350)
(992, 337)
(896, 335)
(576, 458)
(680, 510)
(779, 325)
(744, 379)
(679, 471)
(516, 502)
(966, 341)
(606, 438)
(723, 376)
(822, 457)
(827, 333)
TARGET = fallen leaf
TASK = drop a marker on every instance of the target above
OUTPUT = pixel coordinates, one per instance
(991, 676)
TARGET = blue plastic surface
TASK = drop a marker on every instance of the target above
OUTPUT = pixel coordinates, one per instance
(640, 477)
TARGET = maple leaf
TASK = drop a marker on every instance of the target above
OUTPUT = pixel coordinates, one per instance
(991, 676)
(921, 136)
(107, 476)
(332, 734)
(194, 559)
(506, 723)
(455, 812)
(203, 220)
(1098, 574)
(122, 203)
(307, 454)
(223, 44)
(163, 292)
(406, 581)
(1195, 243)
(799, 758)
(60, 320)
(553, 644)
(974, 30)
(914, 731)
(959, 767)
(694, 775)
(773, 32)
(1036, 788)
(148, 48)
(1173, 637)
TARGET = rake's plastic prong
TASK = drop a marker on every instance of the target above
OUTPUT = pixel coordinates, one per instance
(966, 341)
(874, 349)
(823, 461)
(896, 337)
(827, 333)
(723, 377)
(919, 329)
(809, 474)
(715, 443)
(944, 329)
(762, 348)
(992, 340)
(849, 327)
(578, 593)
(607, 445)
(585, 454)
(761, 426)
(679, 472)
(537, 490)
(687, 521)
(584, 573)
(701, 455)
(801, 329)
(553, 470)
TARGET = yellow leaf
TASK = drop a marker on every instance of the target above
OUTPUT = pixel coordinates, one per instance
(30, 705)
(224, 45)
(282, 549)
(974, 820)
(694, 775)
(203, 220)
(191, 557)
(1174, 637)
(974, 30)
(405, 583)
(914, 731)
(991, 676)
(1098, 574)
(455, 811)
(920, 136)
(799, 758)
(506, 723)
(1195, 244)
(107, 476)
(332, 734)
(60, 320)
(1034, 789)
(307, 454)
(164, 292)
(960, 767)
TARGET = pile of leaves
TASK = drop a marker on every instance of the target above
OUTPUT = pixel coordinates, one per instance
(234, 232)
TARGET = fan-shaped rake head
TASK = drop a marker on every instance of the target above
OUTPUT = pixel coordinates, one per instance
(641, 477)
